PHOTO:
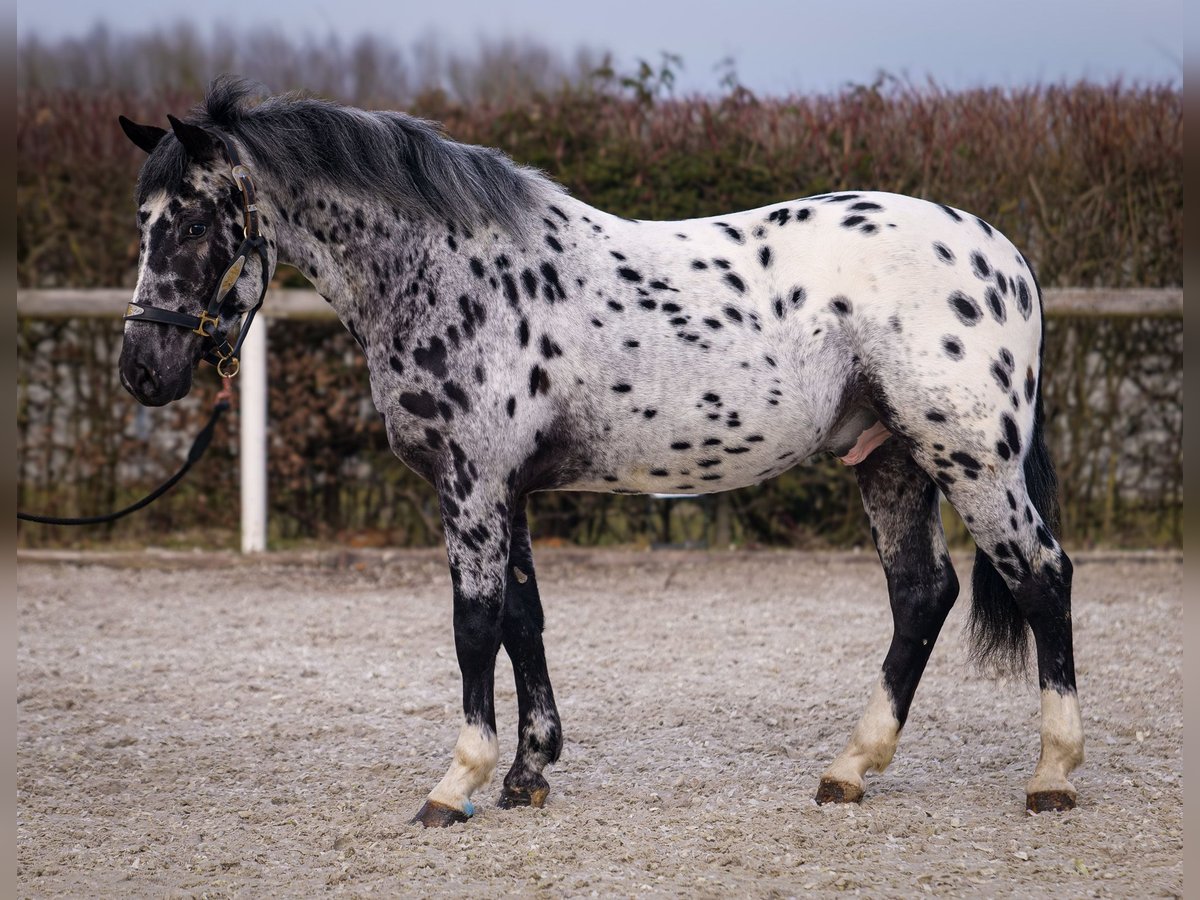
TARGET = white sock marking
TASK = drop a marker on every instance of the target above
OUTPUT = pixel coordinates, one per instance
(872, 744)
(1062, 743)
(475, 758)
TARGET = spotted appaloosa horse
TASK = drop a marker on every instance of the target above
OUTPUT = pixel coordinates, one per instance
(520, 340)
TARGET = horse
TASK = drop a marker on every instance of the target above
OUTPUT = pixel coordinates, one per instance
(520, 340)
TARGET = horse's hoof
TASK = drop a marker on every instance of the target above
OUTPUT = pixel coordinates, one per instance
(831, 791)
(533, 794)
(514, 797)
(1050, 801)
(438, 815)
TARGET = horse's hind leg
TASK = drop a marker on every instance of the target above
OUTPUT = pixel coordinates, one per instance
(1023, 576)
(539, 733)
(993, 466)
(902, 503)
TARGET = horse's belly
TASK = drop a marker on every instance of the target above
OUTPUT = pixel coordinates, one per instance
(680, 457)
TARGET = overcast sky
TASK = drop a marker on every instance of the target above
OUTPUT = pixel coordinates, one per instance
(778, 45)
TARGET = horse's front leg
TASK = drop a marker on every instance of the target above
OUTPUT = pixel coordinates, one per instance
(475, 516)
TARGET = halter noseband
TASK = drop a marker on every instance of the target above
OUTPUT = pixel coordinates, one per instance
(208, 324)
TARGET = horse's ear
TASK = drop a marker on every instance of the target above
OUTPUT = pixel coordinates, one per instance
(144, 136)
(198, 143)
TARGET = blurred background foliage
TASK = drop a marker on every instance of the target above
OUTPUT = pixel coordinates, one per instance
(1086, 178)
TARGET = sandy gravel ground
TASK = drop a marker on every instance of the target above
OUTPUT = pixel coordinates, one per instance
(207, 727)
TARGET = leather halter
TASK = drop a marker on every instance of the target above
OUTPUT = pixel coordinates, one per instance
(208, 324)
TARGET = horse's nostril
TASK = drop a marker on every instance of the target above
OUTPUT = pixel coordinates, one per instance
(145, 377)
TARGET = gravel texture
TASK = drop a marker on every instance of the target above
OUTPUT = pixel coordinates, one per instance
(199, 725)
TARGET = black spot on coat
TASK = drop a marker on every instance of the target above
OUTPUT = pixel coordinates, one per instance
(965, 308)
(552, 289)
(433, 358)
(530, 283)
(996, 304)
(457, 395)
(966, 460)
(510, 288)
(1024, 300)
(539, 381)
(422, 404)
(980, 265)
(952, 213)
(1012, 434)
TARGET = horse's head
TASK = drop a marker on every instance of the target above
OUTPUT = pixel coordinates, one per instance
(201, 261)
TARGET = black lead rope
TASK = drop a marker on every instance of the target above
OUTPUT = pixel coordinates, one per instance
(199, 445)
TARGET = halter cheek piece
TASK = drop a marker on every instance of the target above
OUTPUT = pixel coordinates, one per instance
(217, 349)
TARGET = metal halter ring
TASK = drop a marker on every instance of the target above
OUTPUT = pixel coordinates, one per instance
(228, 366)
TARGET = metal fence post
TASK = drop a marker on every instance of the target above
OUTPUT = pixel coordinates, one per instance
(252, 389)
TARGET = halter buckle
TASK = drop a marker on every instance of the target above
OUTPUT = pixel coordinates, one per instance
(206, 319)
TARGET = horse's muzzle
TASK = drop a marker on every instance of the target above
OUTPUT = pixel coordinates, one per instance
(151, 387)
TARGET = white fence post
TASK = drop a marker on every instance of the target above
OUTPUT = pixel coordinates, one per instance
(252, 391)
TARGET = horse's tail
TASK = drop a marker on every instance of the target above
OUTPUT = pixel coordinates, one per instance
(998, 632)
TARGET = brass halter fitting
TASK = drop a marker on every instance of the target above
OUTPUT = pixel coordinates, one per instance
(206, 319)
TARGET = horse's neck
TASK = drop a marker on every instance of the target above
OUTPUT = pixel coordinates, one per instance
(361, 255)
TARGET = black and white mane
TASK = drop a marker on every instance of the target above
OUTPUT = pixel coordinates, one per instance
(395, 157)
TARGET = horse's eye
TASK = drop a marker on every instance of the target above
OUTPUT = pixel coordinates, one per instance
(196, 229)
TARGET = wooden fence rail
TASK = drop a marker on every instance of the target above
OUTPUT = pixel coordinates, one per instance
(307, 304)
